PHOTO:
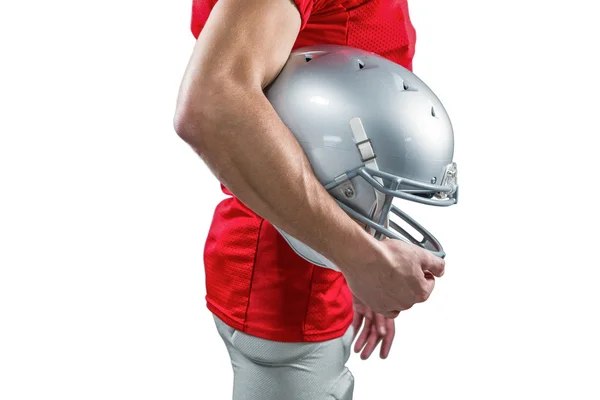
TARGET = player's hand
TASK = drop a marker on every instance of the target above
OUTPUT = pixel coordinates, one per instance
(393, 277)
(376, 329)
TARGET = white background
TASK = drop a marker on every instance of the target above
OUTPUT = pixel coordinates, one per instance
(104, 210)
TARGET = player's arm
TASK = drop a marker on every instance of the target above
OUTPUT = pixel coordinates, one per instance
(223, 114)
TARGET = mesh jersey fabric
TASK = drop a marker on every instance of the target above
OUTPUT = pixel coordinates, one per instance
(255, 282)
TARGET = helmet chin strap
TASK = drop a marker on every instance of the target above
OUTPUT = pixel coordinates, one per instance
(369, 158)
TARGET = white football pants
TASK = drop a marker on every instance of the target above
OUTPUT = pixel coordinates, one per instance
(268, 370)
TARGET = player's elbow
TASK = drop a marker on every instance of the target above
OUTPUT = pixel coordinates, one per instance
(209, 106)
(190, 119)
(198, 114)
(203, 116)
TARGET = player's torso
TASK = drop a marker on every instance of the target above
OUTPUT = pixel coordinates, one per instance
(254, 281)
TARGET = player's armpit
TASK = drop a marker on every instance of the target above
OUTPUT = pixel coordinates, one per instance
(245, 42)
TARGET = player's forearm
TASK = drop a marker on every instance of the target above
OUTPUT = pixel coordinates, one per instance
(250, 150)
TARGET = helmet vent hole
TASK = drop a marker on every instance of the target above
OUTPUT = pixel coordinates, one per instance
(432, 111)
(308, 57)
(361, 64)
(405, 85)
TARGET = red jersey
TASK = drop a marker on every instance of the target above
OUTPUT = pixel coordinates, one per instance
(254, 281)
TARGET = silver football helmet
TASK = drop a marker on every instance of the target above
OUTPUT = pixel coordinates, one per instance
(372, 132)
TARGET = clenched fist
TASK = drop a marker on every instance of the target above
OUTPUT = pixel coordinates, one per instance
(394, 276)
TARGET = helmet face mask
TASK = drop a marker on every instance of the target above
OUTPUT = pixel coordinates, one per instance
(372, 132)
(378, 219)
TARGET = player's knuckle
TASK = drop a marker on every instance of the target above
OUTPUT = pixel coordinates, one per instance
(422, 293)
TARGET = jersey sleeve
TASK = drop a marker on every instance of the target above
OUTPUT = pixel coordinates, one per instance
(305, 7)
(201, 9)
